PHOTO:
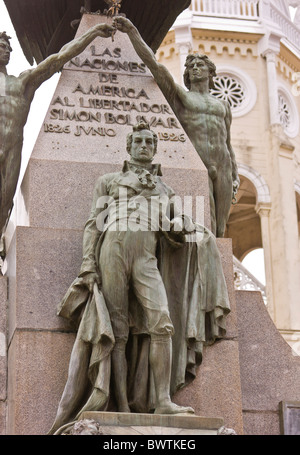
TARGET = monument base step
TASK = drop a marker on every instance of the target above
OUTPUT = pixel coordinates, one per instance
(121, 423)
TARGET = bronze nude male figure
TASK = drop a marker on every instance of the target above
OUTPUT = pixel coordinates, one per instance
(16, 94)
(142, 306)
(205, 119)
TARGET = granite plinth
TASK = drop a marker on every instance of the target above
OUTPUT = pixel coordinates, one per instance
(270, 369)
(3, 343)
(37, 371)
(2, 418)
(3, 354)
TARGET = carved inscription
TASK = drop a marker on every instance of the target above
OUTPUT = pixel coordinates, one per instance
(108, 60)
(96, 109)
(171, 137)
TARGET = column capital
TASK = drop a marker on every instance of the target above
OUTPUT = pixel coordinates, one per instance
(263, 209)
(269, 44)
(183, 33)
(185, 47)
(270, 55)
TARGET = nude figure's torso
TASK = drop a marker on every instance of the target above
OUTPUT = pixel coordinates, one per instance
(14, 108)
(205, 121)
(203, 118)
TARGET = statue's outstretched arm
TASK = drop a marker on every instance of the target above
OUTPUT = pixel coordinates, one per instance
(55, 62)
(160, 73)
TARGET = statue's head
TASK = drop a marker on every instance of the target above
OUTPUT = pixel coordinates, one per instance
(142, 136)
(5, 48)
(190, 62)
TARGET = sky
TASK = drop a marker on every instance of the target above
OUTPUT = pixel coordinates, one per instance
(18, 63)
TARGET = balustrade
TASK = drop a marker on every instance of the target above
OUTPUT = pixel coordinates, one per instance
(240, 9)
(245, 281)
(289, 29)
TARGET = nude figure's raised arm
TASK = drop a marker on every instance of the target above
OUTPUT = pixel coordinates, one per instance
(55, 62)
(160, 73)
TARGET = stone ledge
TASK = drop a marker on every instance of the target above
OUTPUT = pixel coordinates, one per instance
(118, 423)
(166, 420)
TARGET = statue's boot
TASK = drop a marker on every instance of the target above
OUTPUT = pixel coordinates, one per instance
(119, 367)
(161, 362)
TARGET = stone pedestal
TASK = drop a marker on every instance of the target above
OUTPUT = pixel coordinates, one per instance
(99, 96)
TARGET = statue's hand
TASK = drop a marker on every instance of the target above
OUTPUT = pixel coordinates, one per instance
(105, 30)
(89, 279)
(188, 225)
(176, 225)
(183, 224)
(122, 24)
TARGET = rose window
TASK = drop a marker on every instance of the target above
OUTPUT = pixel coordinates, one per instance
(284, 111)
(229, 89)
(288, 111)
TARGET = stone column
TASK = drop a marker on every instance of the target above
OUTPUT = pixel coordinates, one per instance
(184, 50)
(284, 235)
(283, 226)
(263, 210)
(184, 42)
(269, 47)
(272, 87)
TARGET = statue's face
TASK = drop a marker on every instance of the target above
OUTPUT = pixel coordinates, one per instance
(198, 70)
(142, 147)
(4, 52)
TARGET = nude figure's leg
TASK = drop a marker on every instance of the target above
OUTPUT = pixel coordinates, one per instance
(223, 199)
(213, 220)
(76, 384)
